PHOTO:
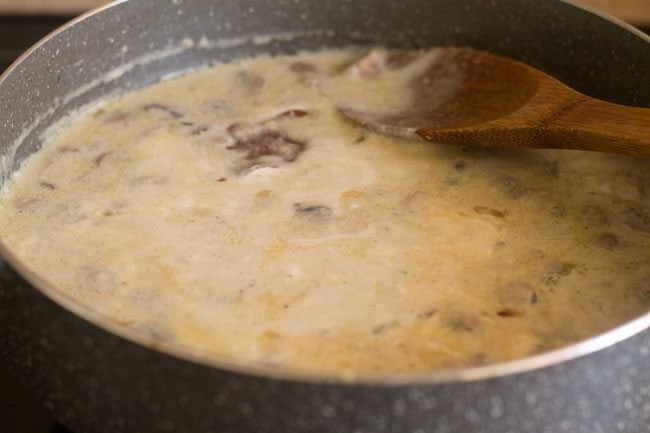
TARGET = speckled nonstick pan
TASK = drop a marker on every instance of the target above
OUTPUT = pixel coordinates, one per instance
(99, 378)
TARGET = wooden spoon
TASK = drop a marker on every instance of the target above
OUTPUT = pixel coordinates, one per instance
(474, 98)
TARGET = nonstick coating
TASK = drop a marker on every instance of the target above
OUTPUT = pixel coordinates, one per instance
(97, 382)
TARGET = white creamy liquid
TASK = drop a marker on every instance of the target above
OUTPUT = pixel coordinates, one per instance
(235, 212)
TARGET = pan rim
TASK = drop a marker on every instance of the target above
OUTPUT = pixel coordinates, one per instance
(256, 368)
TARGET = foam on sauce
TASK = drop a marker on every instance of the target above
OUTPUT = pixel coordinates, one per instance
(234, 211)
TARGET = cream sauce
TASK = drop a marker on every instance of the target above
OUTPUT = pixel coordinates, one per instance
(233, 211)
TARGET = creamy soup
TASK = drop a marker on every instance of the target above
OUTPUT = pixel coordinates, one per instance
(235, 212)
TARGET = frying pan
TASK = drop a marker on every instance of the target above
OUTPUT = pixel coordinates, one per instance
(99, 377)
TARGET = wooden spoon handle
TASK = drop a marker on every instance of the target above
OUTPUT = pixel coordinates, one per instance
(591, 124)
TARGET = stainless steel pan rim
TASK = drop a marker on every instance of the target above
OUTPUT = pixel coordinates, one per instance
(617, 21)
(229, 363)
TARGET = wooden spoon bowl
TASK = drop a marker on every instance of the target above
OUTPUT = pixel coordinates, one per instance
(475, 98)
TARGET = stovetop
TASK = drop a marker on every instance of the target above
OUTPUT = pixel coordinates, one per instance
(19, 410)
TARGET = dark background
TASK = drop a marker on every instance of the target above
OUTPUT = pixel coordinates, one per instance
(19, 32)
(19, 412)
